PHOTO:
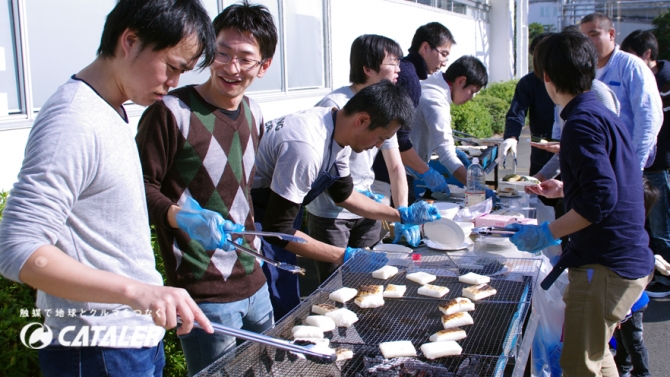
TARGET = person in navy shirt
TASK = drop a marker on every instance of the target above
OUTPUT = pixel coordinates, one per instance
(607, 254)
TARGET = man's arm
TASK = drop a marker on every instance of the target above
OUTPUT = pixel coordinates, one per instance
(648, 111)
(567, 224)
(397, 176)
(516, 115)
(412, 160)
(438, 117)
(368, 208)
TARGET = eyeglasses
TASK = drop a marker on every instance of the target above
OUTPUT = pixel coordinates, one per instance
(245, 64)
(444, 53)
(395, 63)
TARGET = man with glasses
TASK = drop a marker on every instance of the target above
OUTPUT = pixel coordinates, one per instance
(200, 144)
(373, 58)
(428, 53)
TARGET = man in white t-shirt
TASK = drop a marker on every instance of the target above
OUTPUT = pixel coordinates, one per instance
(373, 58)
(302, 155)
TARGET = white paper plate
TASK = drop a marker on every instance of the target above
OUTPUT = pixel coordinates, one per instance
(437, 246)
(391, 247)
(445, 232)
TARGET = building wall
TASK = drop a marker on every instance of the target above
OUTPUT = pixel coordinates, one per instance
(395, 19)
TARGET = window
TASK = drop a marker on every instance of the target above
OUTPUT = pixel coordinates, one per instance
(10, 98)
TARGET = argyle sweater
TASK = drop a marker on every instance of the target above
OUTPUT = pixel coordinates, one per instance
(190, 148)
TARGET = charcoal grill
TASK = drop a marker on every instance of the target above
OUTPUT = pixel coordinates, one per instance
(491, 342)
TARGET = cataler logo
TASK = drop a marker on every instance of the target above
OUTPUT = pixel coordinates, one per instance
(40, 335)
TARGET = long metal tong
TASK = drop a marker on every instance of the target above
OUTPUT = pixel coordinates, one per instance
(282, 265)
(493, 231)
(281, 236)
(307, 350)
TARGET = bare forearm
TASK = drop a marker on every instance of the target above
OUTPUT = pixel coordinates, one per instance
(461, 175)
(397, 176)
(172, 216)
(316, 250)
(567, 224)
(368, 208)
(411, 159)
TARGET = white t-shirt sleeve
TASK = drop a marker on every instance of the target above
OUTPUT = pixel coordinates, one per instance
(298, 165)
(390, 143)
(342, 162)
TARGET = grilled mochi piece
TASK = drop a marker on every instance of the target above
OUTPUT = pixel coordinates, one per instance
(454, 333)
(421, 277)
(478, 292)
(472, 278)
(397, 349)
(384, 272)
(456, 320)
(321, 321)
(394, 291)
(370, 290)
(306, 332)
(368, 302)
(343, 317)
(343, 294)
(457, 305)
(344, 354)
(433, 290)
(441, 349)
(323, 308)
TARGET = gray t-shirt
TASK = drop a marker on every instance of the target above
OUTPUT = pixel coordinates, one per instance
(360, 164)
(295, 150)
(80, 188)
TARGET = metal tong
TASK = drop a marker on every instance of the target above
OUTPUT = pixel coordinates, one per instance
(282, 265)
(493, 231)
(306, 351)
(281, 236)
(465, 137)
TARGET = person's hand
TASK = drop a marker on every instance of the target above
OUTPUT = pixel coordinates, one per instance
(165, 304)
(492, 194)
(363, 260)
(463, 157)
(551, 188)
(412, 234)
(376, 197)
(419, 213)
(532, 238)
(435, 181)
(507, 146)
(205, 226)
(550, 146)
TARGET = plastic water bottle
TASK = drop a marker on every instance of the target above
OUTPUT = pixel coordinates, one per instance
(475, 190)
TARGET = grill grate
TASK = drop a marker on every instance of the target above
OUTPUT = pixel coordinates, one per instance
(489, 343)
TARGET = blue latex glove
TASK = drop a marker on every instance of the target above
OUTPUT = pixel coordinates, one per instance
(207, 227)
(364, 260)
(412, 234)
(419, 213)
(532, 238)
(463, 157)
(492, 194)
(376, 197)
(435, 181)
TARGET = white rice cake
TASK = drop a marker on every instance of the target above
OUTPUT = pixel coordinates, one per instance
(441, 349)
(306, 332)
(344, 354)
(370, 290)
(472, 278)
(394, 291)
(343, 294)
(433, 290)
(323, 308)
(456, 320)
(343, 317)
(398, 348)
(385, 272)
(369, 302)
(478, 292)
(457, 305)
(421, 277)
(321, 321)
(454, 333)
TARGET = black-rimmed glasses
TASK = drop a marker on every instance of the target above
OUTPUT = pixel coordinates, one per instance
(245, 64)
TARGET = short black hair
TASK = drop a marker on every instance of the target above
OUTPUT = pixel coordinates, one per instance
(601, 19)
(369, 50)
(640, 41)
(538, 38)
(569, 59)
(470, 67)
(254, 19)
(384, 102)
(434, 33)
(160, 24)
(651, 195)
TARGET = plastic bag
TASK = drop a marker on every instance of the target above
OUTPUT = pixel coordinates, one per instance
(469, 213)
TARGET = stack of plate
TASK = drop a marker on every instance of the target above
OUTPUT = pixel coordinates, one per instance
(445, 234)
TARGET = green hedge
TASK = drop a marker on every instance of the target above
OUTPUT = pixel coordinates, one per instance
(473, 118)
(497, 107)
(485, 114)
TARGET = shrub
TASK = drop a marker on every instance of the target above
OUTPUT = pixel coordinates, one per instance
(472, 117)
(497, 108)
(503, 90)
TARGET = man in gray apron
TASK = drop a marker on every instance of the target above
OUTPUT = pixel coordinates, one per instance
(304, 154)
